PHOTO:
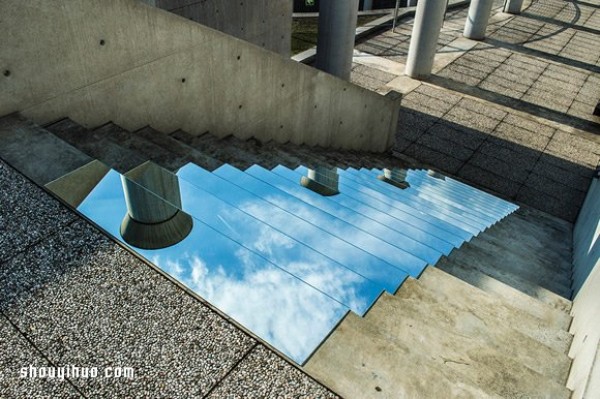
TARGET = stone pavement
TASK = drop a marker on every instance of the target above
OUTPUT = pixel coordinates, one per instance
(511, 114)
(70, 296)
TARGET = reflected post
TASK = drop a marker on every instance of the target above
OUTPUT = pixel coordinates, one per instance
(154, 217)
(395, 177)
(322, 180)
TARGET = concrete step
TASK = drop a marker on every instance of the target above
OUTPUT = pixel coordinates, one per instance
(513, 269)
(439, 286)
(360, 361)
(179, 148)
(467, 332)
(214, 147)
(143, 148)
(529, 265)
(434, 342)
(485, 355)
(558, 318)
(534, 236)
(96, 145)
(35, 152)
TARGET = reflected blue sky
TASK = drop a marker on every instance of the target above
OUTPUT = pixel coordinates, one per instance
(369, 244)
(346, 286)
(469, 207)
(411, 227)
(287, 181)
(460, 192)
(291, 315)
(437, 226)
(440, 201)
(363, 263)
(283, 261)
(438, 210)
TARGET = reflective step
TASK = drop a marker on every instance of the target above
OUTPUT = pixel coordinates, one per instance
(372, 245)
(353, 258)
(459, 187)
(333, 279)
(401, 210)
(281, 309)
(419, 229)
(289, 181)
(437, 188)
(442, 211)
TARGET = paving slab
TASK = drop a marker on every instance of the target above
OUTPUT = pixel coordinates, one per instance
(17, 353)
(27, 214)
(262, 374)
(83, 300)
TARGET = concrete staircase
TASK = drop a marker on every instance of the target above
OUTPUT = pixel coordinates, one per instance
(489, 320)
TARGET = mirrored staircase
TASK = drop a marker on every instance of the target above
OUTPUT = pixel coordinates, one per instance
(376, 279)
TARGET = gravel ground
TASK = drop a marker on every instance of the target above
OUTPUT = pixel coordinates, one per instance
(78, 298)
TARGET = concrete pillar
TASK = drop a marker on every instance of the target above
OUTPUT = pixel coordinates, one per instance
(513, 6)
(477, 19)
(335, 43)
(429, 18)
(322, 180)
(395, 177)
(154, 217)
(367, 5)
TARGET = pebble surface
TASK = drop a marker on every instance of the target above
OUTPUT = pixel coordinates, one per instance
(78, 298)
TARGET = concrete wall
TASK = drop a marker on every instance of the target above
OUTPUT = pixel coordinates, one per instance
(266, 23)
(135, 65)
(584, 377)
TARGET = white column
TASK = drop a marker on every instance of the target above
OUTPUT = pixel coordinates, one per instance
(426, 31)
(477, 20)
(513, 6)
(335, 42)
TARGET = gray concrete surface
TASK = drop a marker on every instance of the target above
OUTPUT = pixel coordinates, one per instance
(531, 254)
(74, 297)
(586, 312)
(358, 358)
(512, 114)
(359, 361)
(267, 24)
(15, 353)
(45, 158)
(442, 287)
(240, 89)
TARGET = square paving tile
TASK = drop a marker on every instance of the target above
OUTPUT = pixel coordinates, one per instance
(263, 375)
(84, 300)
(17, 353)
(27, 213)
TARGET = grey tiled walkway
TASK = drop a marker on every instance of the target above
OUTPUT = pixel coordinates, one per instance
(513, 113)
